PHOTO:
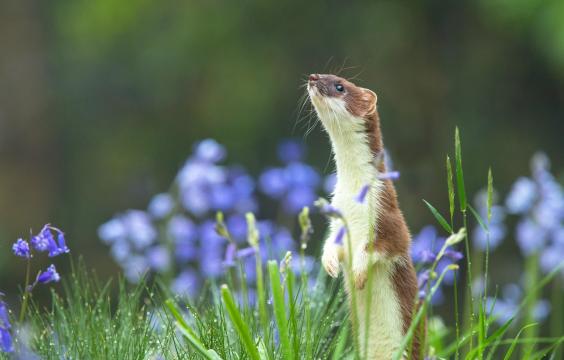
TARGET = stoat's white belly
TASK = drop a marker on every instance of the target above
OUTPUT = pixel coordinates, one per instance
(383, 316)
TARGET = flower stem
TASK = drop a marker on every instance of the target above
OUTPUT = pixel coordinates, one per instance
(531, 280)
(27, 292)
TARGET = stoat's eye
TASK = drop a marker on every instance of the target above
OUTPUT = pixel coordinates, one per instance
(339, 87)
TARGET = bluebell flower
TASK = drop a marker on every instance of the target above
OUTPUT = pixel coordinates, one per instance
(245, 252)
(522, 196)
(210, 150)
(298, 198)
(282, 241)
(272, 182)
(329, 183)
(389, 175)
(196, 200)
(340, 235)
(496, 227)
(140, 229)
(161, 205)
(182, 230)
(330, 211)
(230, 253)
(120, 250)
(530, 236)
(300, 174)
(112, 230)
(507, 306)
(237, 226)
(6, 344)
(212, 249)
(423, 243)
(21, 249)
(362, 194)
(158, 258)
(135, 267)
(48, 276)
(45, 241)
(551, 257)
(187, 283)
(291, 150)
(222, 197)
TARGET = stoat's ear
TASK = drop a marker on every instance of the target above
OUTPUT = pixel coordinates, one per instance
(370, 98)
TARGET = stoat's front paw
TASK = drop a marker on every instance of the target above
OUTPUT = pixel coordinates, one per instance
(330, 260)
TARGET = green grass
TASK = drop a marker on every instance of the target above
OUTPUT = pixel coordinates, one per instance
(287, 319)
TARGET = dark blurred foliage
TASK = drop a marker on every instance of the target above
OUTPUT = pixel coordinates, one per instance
(100, 101)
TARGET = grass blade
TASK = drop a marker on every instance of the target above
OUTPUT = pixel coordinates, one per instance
(439, 217)
(490, 194)
(450, 185)
(189, 333)
(280, 310)
(459, 173)
(240, 326)
(514, 343)
(478, 218)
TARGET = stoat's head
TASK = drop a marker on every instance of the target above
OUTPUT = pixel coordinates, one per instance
(337, 99)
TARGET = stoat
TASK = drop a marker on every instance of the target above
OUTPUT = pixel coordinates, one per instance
(349, 115)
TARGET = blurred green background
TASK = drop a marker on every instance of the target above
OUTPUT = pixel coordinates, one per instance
(100, 101)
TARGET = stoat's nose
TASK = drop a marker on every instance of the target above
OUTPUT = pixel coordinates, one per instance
(313, 78)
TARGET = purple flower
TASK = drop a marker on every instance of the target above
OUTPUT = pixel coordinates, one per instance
(182, 229)
(222, 197)
(530, 236)
(389, 175)
(496, 228)
(140, 229)
(187, 283)
(273, 183)
(111, 231)
(45, 241)
(522, 196)
(120, 250)
(362, 194)
(230, 253)
(329, 183)
(158, 258)
(298, 198)
(340, 235)
(161, 205)
(330, 210)
(552, 257)
(507, 306)
(246, 252)
(210, 150)
(282, 241)
(135, 267)
(300, 174)
(21, 249)
(425, 244)
(6, 344)
(290, 151)
(48, 276)
(237, 226)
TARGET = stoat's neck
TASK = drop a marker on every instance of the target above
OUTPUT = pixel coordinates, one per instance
(355, 146)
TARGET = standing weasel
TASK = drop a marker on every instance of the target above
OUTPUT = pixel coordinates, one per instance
(348, 114)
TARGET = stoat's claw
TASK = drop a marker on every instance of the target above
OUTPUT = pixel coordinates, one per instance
(330, 260)
(359, 278)
(360, 267)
